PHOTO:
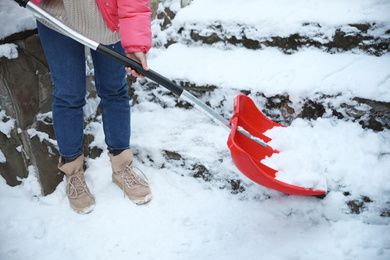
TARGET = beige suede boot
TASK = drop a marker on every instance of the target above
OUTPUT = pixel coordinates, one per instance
(80, 198)
(123, 175)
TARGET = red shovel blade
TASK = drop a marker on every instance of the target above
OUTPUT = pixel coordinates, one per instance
(247, 154)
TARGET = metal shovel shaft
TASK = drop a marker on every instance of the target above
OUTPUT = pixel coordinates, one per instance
(40, 13)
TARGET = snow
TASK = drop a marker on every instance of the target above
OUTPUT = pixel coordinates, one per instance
(304, 73)
(330, 145)
(283, 18)
(2, 157)
(9, 50)
(14, 19)
(190, 218)
(7, 124)
(278, 12)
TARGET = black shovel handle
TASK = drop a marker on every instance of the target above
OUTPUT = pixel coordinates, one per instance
(126, 61)
(22, 3)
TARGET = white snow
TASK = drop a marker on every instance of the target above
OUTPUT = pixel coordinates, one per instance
(2, 157)
(9, 50)
(328, 148)
(283, 17)
(190, 218)
(14, 18)
(6, 123)
(304, 73)
(283, 12)
(41, 135)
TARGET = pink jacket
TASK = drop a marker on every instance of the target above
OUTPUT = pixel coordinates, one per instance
(131, 18)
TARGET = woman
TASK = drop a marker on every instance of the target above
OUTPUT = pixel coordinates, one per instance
(125, 26)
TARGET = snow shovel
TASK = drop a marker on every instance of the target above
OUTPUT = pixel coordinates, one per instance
(247, 141)
(247, 155)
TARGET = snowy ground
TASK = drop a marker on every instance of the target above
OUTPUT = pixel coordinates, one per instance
(190, 218)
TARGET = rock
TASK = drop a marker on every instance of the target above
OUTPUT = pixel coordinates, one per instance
(312, 110)
(21, 98)
(91, 152)
(236, 186)
(345, 38)
(154, 6)
(16, 162)
(172, 155)
(44, 153)
(45, 158)
(166, 16)
(22, 85)
(379, 116)
(200, 171)
(358, 206)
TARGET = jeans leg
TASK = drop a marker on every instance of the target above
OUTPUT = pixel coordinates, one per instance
(66, 60)
(111, 86)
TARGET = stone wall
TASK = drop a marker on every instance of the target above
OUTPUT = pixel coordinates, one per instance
(25, 92)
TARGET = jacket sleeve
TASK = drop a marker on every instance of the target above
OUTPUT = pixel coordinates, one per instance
(135, 25)
(37, 2)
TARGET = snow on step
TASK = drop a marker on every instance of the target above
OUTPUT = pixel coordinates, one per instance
(253, 11)
(270, 71)
(281, 17)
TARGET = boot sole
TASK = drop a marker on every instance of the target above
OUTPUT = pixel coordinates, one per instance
(147, 199)
(86, 210)
(136, 200)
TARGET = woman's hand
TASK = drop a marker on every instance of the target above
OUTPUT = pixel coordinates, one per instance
(141, 58)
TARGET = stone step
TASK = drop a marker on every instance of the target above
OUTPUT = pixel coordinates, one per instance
(371, 37)
(342, 39)
(302, 74)
(369, 113)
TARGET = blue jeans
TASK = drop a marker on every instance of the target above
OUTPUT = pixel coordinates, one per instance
(66, 60)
